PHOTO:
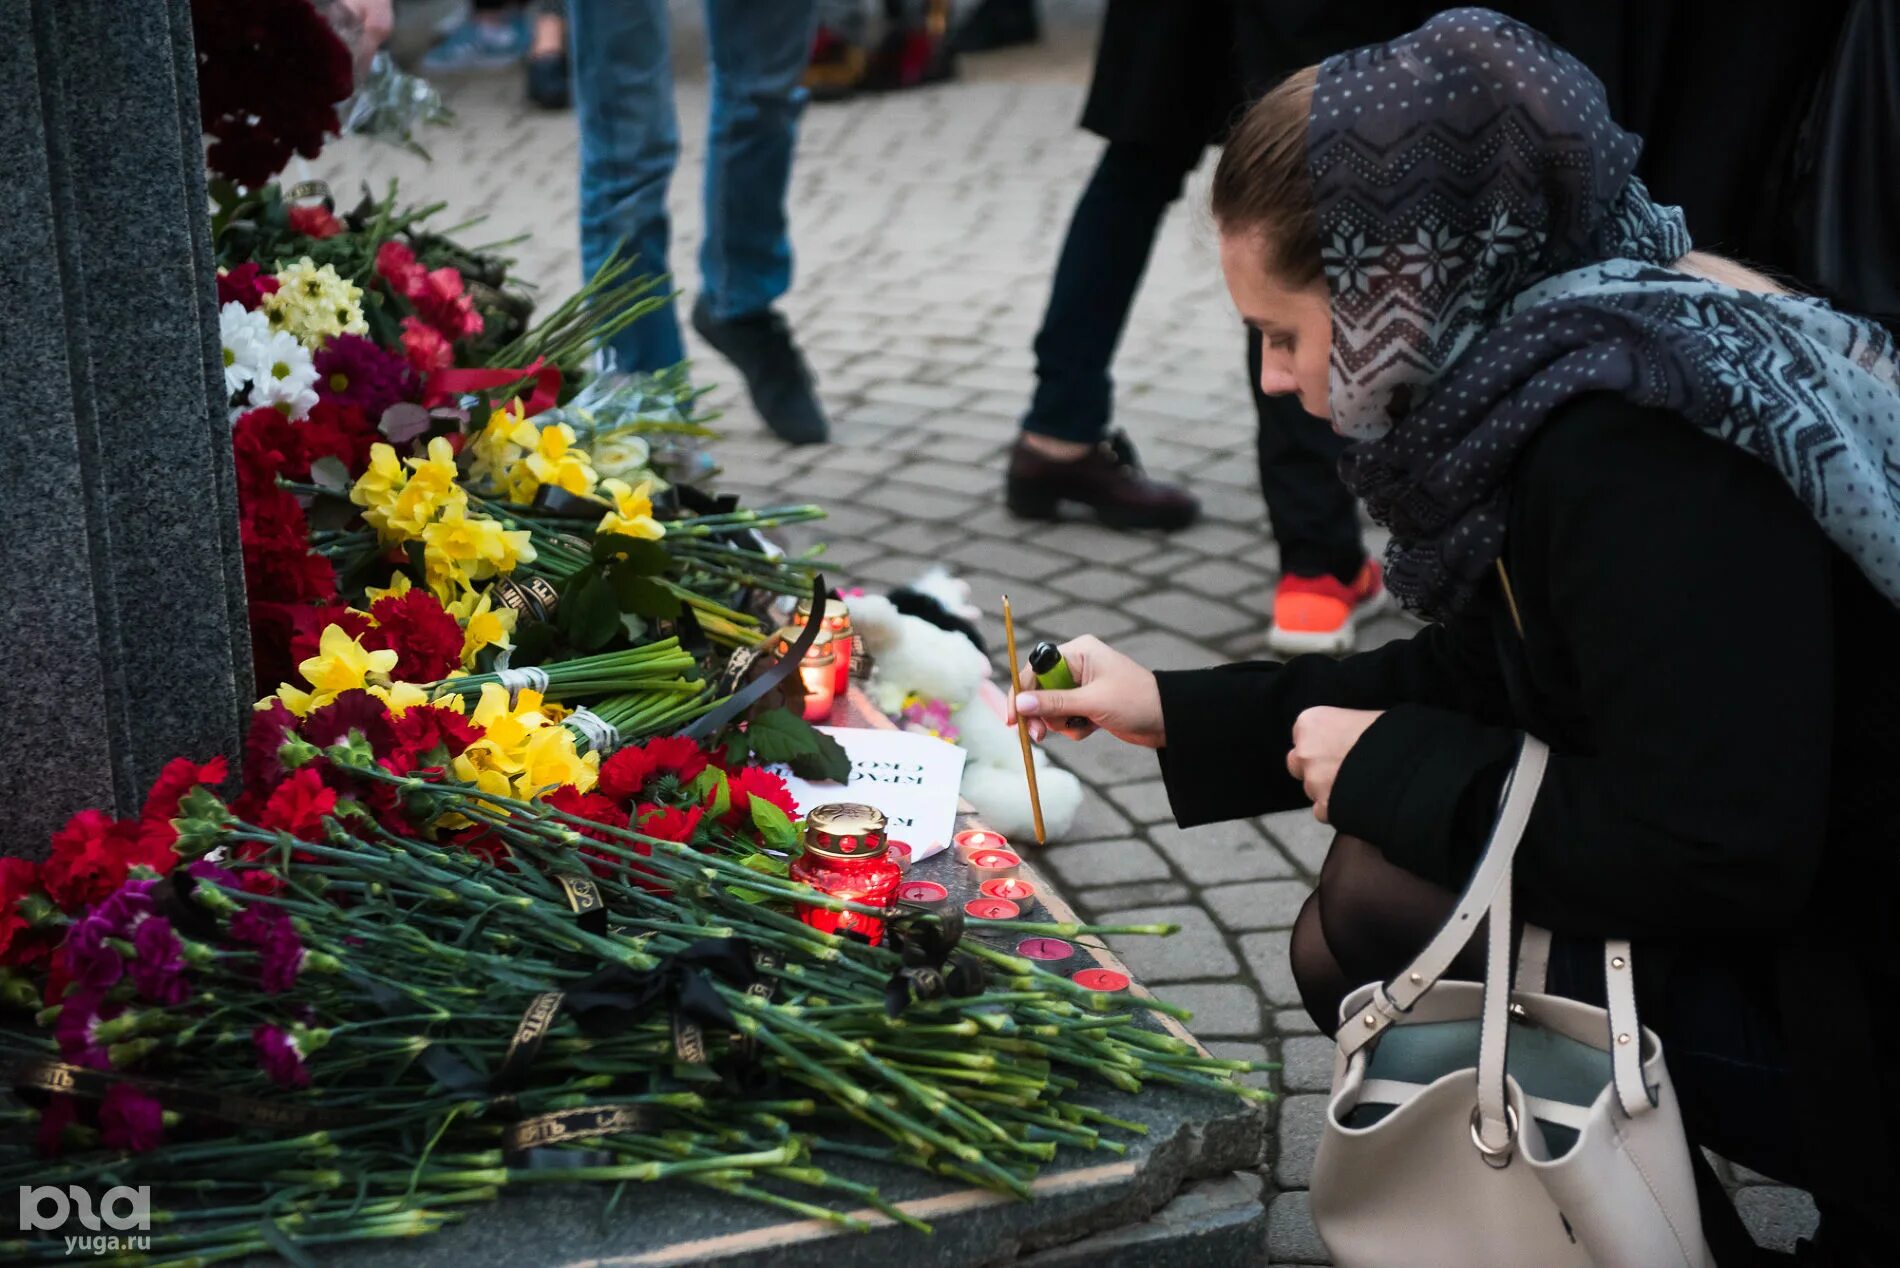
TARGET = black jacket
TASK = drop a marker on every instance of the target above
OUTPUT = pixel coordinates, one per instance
(1721, 691)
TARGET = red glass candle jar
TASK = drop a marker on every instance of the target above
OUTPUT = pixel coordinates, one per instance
(837, 619)
(817, 671)
(846, 848)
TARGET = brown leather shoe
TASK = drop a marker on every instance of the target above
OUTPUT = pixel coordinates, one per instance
(1108, 480)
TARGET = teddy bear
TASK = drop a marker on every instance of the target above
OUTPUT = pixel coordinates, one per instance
(930, 673)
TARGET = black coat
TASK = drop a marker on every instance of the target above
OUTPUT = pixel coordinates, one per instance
(1721, 691)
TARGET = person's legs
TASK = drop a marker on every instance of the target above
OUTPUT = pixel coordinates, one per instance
(758, 54)
(1103, 258)
(623, 100)
(495, 33)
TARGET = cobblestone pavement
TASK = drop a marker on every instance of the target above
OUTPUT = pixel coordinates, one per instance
(926, 226)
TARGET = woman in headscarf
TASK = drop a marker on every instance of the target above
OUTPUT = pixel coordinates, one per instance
(1651, 501)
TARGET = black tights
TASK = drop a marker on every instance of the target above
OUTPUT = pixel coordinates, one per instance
(1364, 923)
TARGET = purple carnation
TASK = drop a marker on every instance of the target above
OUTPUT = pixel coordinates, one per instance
(79, 1017)
(131, 1120)
(159, 971)
(279, 949)
(277, 1053)
(352, 370)
(91, 964)
(205, 870)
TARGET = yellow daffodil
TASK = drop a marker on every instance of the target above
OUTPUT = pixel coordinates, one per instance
(377, 489)
(524, 750)
(400, 696)
(430, 491)
(554, 460)
(549, 761)
(502, 442)
(398, 586)
(459, 548)
(632, 515)
(483, 624)
(341, 664)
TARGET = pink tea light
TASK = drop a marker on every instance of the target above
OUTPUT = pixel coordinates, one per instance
(927, 894)
(992, 865)
(992, 909)
(1010, 887)
(975, 840)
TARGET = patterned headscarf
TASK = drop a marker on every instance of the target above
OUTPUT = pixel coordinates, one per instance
(1490, 255)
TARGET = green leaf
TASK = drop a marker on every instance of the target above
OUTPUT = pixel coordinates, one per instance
(713, 780)
(782, 736)
(634, 554)
(644, 597)
(775, 829)
(759, 863)
(593, 616)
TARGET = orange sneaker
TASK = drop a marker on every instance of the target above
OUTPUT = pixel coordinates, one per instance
(1322, 614)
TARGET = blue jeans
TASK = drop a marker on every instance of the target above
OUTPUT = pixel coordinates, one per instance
(623, 98)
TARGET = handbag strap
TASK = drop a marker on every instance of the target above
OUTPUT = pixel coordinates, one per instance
(1489, 893)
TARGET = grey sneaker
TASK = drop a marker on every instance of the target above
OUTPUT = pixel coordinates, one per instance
(760, 347)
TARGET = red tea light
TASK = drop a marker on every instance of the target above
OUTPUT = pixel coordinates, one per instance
(992, 909)
(992, 865)
(975, 841)
(1045, 949)
(1017, 891)
(900, 853)
(923, 894)
(1100, 979)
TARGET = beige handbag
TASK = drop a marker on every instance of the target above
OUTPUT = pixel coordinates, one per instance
(1476, 1124)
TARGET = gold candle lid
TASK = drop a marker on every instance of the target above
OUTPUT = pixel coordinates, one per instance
(820, 644)
(846, 830)
(833, 608)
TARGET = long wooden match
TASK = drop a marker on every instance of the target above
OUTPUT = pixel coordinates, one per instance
(1022, 724)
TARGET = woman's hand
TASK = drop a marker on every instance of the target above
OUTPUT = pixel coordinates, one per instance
(1112, 692)
(1321, 739)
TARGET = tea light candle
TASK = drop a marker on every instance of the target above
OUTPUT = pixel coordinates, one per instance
(1017, 891)
(975, 840)
(900, 854)
(1050, 951)
(927, 894)
(1100, 979)
(994, 864)
(992, 909)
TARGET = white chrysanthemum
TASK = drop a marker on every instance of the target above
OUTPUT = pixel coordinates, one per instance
(242, 333)
(284, 376)
(623, 456)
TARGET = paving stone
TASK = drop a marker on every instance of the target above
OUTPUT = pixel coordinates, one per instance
(1095, 903)
(1011, 558)
(1145, 802)
(1197, 951)
(1218, 852)
(1105, 862)
(1304, 838)
(1306, 1063)
(1167, 563)
(1298, 1132)
(1221, 1010)
(1096, 818)
(1266, 957)
(1102, 585)
(1087, 618)
(955, 477)
(1257, 904)
(1158, 649)
(1103, 760)
(916, 503)
(1237, 1050)
(922, 395)
(1291, 1237)
(1294, 1021)
(1222, 579)
(1102, 547)
(1196, 617)
(1776, 1215)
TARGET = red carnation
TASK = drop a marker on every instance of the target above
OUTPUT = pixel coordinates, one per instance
(625, 773)
(179, 777)
(678, 756)
(270, 75)
(668, 823)
(429, 735)
(425, 347)
(20, 943)
(426, 639)
(396, 264)
(247, 284)
(313, 220)
(298, 805)
(754, 781)
(571, 800)
(336, 429)
(441, 302)
(89, 859)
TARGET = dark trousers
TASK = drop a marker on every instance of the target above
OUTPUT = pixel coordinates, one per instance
(1110, 238)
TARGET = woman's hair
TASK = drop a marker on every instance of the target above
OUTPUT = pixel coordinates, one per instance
(1262, 184)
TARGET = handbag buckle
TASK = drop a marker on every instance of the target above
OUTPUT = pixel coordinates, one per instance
(1500, 1157)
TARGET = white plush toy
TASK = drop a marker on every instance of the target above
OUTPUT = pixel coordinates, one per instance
(916, 659)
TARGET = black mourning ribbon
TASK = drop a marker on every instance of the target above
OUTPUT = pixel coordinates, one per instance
(617, 998)
(171, 898)
(931, 966)
(744, 699)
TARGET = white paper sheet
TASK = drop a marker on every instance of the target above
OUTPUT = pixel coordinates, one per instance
(914, 779)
